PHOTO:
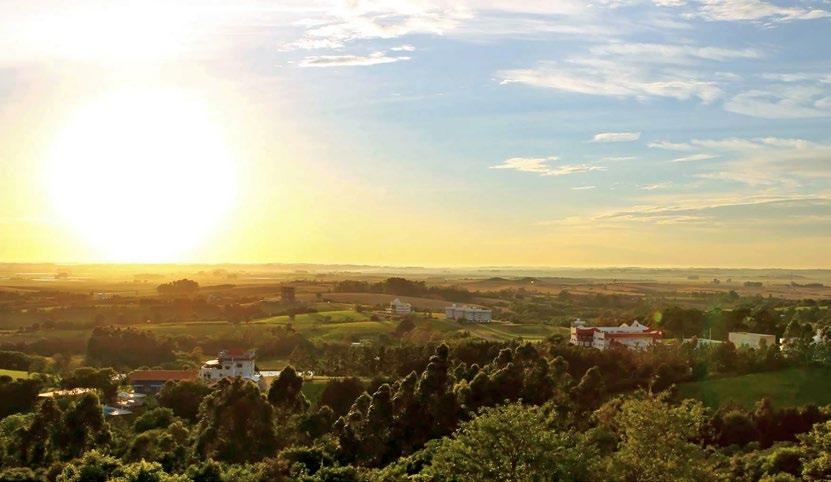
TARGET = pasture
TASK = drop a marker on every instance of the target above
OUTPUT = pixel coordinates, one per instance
(792, 387)
(15, 374)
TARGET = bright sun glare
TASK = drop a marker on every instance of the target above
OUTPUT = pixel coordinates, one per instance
(142, 175)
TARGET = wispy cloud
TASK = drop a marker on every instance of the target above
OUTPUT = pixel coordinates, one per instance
(656, 186)
(616, 136)
(763, 160)
(784, 101)
(526, 164)
(615, 78)
(671, 146)
(583, 188)
(735, 212)
(541, 166)
(672, 53)
(619, 158)
(695, 157)
(757, 10)
(374, 58)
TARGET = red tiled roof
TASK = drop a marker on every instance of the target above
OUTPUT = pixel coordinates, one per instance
(162, 375)
(654, 334)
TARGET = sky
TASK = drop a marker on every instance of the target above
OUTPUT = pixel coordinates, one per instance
(417, 132)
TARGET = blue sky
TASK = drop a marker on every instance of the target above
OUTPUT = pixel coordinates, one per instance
(562, 132)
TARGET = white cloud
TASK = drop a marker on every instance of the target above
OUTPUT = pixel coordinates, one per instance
(673, 53)
(540, 165)
(770, 161)
(613, 78)
(695, 157)
(733, 211)
(525, 164)
(567, 169)
(616, 136)
(671, 146)
(583, 188)
(656, 186)
(403, 48)
(756, 10)
(619, 158)
(374, 58)
(783, 102)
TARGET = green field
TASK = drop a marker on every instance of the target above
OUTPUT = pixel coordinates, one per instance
(14, 373)
(313, 388)
(792, 387)
(340, 325)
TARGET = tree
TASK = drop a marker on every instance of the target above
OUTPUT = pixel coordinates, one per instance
(83, 427)
(17, 395)
(657, 441)
(178, 287)
(152, 419)
(588, 394)
(34, 446)
(286, 392)
(510, 443)
(92, 467)
(184, 397)
(340, 393)
(816, 449)
(236, 424)
(88, 377)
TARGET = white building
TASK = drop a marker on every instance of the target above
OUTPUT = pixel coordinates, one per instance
(232, 363)
(752, 340)
(467, 313)
(398, 307)
(636, 335)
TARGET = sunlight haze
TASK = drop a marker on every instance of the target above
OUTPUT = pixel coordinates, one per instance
(429, 133)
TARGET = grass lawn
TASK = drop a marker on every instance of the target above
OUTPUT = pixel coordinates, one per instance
(14, 373)
(313, 388)
(792, 387)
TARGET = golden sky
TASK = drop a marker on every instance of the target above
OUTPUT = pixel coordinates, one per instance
(466, 134)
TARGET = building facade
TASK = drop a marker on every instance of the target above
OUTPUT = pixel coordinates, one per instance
(399, 308)
(232, 363)
(635, 336)
(149, 382)
(752, 340)
(468, 313)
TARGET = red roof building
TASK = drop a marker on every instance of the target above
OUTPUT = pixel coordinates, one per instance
(636, 335)
(151, 381)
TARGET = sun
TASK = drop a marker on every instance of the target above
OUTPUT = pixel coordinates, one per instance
(143, 175)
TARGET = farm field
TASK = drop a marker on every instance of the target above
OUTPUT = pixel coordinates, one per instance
(341, 325)
(14, 373)
(383, 299)
(792, 387)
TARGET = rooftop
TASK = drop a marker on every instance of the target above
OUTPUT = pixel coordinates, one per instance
(161, 375)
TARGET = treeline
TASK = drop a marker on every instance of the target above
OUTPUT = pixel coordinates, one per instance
(531, 412)
(178, 287)
(405, 287)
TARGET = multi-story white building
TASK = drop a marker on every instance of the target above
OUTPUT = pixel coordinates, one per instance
(636, 335)
(232, 363)
(752, 340)
(468, 313)
(399, 308)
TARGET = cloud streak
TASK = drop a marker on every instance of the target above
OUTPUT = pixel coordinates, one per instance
(616, 136)
(375, 58)
(541, 166)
